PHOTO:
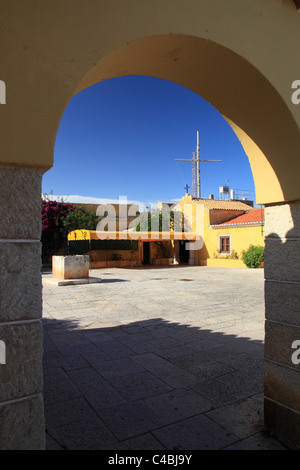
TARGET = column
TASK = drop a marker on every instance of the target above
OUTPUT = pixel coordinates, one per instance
(282, 302)
(21, 402)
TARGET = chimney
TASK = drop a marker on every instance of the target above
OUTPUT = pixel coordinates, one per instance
(211, 196)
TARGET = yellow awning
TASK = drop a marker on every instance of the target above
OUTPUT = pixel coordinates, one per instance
(130, 235)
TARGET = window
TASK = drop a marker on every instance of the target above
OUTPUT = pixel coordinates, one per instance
(224, 245)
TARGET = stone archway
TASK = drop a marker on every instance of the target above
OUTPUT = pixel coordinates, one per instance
(225, 54)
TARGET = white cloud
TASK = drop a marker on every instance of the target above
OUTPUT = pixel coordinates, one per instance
(77, 199)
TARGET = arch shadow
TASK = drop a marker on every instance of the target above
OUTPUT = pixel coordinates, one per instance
(152, 385)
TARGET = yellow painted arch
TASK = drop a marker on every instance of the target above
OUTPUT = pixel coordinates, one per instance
(239, 56)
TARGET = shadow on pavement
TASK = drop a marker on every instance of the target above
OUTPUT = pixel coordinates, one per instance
(152, 385)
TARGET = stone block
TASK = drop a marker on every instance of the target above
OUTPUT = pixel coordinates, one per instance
(70, 267)
(283, 221)
(282, 384)
(278, 343)
(282, 423)
(20, 203)
(282, 300)
(282, 259)
(23, 425)
(22, 374)
(20, 289)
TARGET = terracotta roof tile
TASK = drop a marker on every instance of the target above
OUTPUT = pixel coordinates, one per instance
(252, 217)
(223, 204)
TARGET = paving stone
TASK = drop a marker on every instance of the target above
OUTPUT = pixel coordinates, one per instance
(97, 337)
(136, 386)
(177, 405)
(60, 390)
(141, 346)
(259, 441)
(115, 350)
(145, 442)
(217, 392)
(228, 388)
(86, 434)
(169, 373)
(72, 342)
(210, 370)
(48, 344)
(66, 412)
(248, 365)
(243, 418)
(197, 433)
(207, 343)
(52, 444)
(95, 389)
(130, 419)
(73, 362)
(108, 368)
(240, 385)
(171, 354)
(52, 370)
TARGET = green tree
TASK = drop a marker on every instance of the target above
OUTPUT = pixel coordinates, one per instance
(80, 218)
(158, 220)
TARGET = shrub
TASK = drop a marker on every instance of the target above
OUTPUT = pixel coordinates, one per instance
(218, 255)
(254, 256)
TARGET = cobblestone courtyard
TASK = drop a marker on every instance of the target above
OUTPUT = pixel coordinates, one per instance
(157, 359)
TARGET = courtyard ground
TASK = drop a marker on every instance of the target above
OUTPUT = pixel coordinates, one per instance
(164, 358)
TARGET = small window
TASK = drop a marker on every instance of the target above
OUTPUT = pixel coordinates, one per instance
(225, 245)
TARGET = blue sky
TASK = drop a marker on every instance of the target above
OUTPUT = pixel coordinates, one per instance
(121, 137)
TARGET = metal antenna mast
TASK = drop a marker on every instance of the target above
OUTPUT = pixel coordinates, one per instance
(196, 168)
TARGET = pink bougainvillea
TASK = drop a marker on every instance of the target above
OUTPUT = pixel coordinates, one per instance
(53, 213)
(53, 237)
(58, 219)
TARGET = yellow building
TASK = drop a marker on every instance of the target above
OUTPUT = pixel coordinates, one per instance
(226, 242)
(125, 249)
(227, 227)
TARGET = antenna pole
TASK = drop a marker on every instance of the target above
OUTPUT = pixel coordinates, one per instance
(196, 169)
(198, 188)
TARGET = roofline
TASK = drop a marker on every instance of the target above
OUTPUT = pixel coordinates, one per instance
(242, 224)
(228, 208)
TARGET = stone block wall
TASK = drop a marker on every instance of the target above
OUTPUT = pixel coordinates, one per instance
(21, 381)
(282, 302)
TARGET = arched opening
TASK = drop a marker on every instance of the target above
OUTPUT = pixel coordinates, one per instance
(239, 58)
(227, 81)
(158, 326)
